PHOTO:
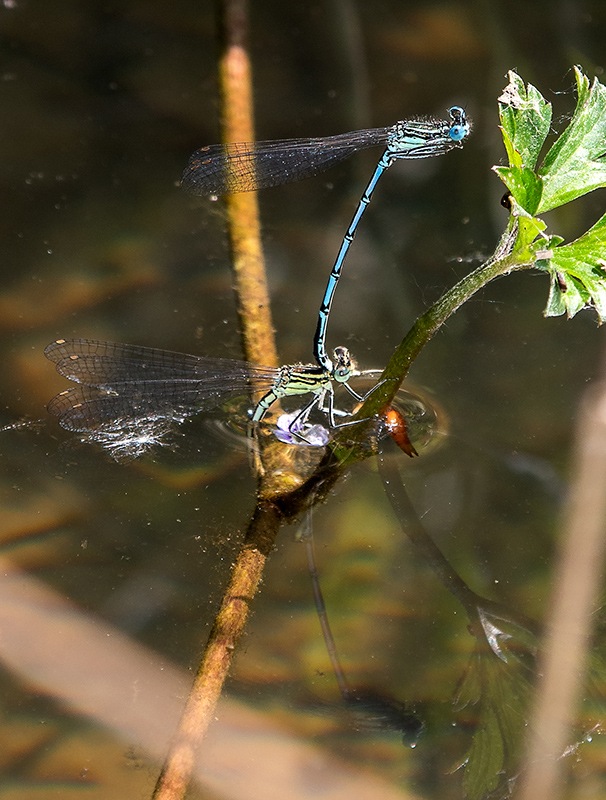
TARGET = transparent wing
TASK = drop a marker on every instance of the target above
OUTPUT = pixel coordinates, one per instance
(127, 382)
(243, 167)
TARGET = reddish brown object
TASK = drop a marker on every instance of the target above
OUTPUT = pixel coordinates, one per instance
(395, 423)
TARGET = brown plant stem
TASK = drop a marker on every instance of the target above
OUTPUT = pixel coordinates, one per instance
(244, 227)
(257, 334)
(227, 629)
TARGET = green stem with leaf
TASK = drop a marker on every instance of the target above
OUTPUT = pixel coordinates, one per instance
(574, 166)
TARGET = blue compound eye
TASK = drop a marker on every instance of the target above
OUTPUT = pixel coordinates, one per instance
(460, 127)
(457, 132)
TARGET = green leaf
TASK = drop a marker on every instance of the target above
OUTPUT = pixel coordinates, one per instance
(525, 119)
(565, 297)
(486, 758)
(528, 230)
(498, 690)
(525, 186)
(526, 240)
(578, 274)
(575, 164)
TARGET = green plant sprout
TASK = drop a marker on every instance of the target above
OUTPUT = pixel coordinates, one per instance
(574, 166)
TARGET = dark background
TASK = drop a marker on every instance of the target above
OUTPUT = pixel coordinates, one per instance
(100, 107)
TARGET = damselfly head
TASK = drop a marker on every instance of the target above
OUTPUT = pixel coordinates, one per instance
(460, 124)
(345, 366)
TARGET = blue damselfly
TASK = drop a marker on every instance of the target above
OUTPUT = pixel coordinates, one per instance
(220, 168)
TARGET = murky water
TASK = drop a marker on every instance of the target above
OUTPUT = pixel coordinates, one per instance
(101, 106)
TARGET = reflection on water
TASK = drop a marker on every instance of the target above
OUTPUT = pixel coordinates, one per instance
(101, 108)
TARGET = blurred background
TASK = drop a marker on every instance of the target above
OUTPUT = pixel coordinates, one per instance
(101, 105)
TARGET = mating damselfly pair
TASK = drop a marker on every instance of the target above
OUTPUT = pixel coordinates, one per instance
(128, 397)
(217, 169)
